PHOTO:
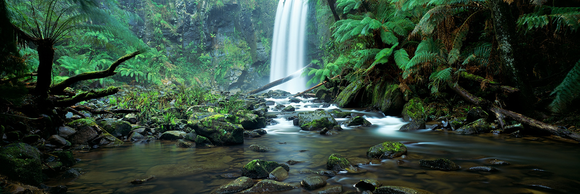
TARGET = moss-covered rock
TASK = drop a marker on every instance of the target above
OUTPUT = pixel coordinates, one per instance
(387, 149)
(173, 135)
(118, 128)
(475, 127)
(21, 162)
(65, 157)
(440, 164)
(107, 140)
(201, 141)
(260, 168)
(388, 99)
(337, 163)
(289, 108)
(358, 121)
(339, 114)
(235, 186)
(269, 186)
(399, 190)
(220, 130)
(249, 120)
(346, 98)
(85, 130)
(313, 182)
(415, 109)
(317, 120)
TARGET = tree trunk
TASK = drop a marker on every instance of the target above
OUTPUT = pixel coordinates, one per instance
(512, 68)
(45, 58)
(333, 9)
(280, 81)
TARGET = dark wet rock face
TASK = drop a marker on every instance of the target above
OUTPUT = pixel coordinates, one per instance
(414, 110)
(358, 121)
(317, 120)
(476, 113)
(84, 131)
(58, 140)
(413, 125)
(65, 157)
(269, 186)
(261, 169)
(337, 163)
(66, 131)
(399, 190)
(313, 182)
(387, 150)
(21, 162)
(117, 128)
(475, 127)
(251, 120)
(482, 169)
(235, 186)
(440, 164)
(367, 185)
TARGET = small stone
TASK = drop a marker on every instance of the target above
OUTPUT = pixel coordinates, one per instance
(440, 164)
(58, 140)
(367, 185)
(278, 174)
(235, 186)
(269, 186)
(313, 182)
(387, 150)
(334, 189)
(482, 169)
(399, 190)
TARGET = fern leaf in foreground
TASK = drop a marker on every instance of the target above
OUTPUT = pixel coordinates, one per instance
(567, 91)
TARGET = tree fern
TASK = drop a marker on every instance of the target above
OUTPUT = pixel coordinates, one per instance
(479, 55)
(364, 56)
(565, 18)
(382, 57)
(439, 78)
(347, 5)
(567, 91)
(401, 58)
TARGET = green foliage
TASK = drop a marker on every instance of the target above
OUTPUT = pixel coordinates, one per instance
(564, 18)
(327, 71)
(439, 78)
(348, 5)
(479, 55)
(567, 91)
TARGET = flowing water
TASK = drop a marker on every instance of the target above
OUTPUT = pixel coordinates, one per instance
(288, 44)
(537, 165)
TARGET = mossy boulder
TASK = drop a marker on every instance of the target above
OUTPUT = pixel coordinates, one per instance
(317, 120)
(235, 186)
(358, 121)
(173, 135)
(259, 169)
(387, 149)
(339, 114)
(220, 130)
(346, 98)
(475, 127)
(413, 125)
(21, 162)
(440, 164)
(288, 108)
(107, 140)
(476, 113)
(249, 120)
(391, 102)
(118, 128)
(337, 163)
(415, 110)
(269, 186)
(201, 141)
(65, 157)
(85, 130)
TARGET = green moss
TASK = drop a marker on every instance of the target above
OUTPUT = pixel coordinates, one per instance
(347, 95)
(260, 168)
(66, 157)
(337, 162)
(83, 122)
(387, 149)
(21, 162)
(318, 123)
(415, 109)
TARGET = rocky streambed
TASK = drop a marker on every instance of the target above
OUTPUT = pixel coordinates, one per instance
(328, 156)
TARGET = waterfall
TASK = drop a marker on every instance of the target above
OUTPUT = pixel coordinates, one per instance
(288, 44)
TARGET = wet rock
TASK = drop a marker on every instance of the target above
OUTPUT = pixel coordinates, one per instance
(293, 100)
(107, 140)
(476, 113)
(131, 118)
(66, 131)
(251, 134)
(367, 185)
(358, 121)
(292, 162)
(399, 190)
(85, 131)
(496, 162)
(235, 186)
(250, 120)
(260, 131)
(136, 137)
(279, 107)
(190, 136)
(413, 125)
(339, 114)
(270, 103)
(59, 141)
(539, 173)
(475, 127)
(259, 148)
(337, 163)
(21, 162)
(513, 128)
(558, 185)
(219, 129)
(289, 108)
(313, 182)
(516, 134)
(278, 174)
(269, 186)
(317, 120)
(334, 189)
(17, 188)
(278, 93)
(414, 110)
(65, 157)
(72, 173)
(184, 144)
(60, 189)
(258, 169)
(440, 164)
(201, 141)
(482, 169)
(117, 128)
(387, 150)
(172, 135)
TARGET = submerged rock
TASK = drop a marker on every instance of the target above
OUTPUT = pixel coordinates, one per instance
(258, 169)
(317, 120)
(313, 182)
(259, 148)
(337, 163)
(387, 150)
(475, 127)
(235, 186)
(278, 174)
(399, 190)
(358, 120)
(334, 189)
(269, 186)
(440, 164)
(482, 169)
(21, 162)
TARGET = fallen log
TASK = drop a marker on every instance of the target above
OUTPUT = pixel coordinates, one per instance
(486, 82)
(280, 81)
(500, 113)
(316, 86)
(85, 108)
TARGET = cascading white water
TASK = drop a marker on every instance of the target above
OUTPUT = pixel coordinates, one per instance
(288, 44)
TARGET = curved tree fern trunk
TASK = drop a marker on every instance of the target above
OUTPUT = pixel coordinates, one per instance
(45, 57)
(333, 9)
(505, 34)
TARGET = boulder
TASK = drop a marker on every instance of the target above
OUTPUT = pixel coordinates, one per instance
(399, 190)
(294, 100)
(339, 114)
(107, 140)
(117, 128)
(184, 144)
(85, 131)
(258, 169)
(475, 127)
(66, 131)
(387, 149)
(337, 163)
(317, 120)
(269, 186)
(334, 189)
(65, 157)
(288, 108)
(414, 110)
(172, 135)
(250, 120)
(313, 182)
(21, 162)
(235, 186)
(413, 125)
(440, 164)
(392, 102)
(201, 141)
(278, 174)
(358, 121)
(59, 141)
(476, 113)
(220, 130)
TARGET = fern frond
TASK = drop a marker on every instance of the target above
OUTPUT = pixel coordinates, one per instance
(479, 55)
(364, 56)
(382, 57)
(401, 58)
(439, 78)
(389, 38)
(347, 5)
(424, 57)
(567, 91)
(563, 17)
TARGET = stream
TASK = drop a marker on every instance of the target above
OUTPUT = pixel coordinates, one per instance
(537, 165)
